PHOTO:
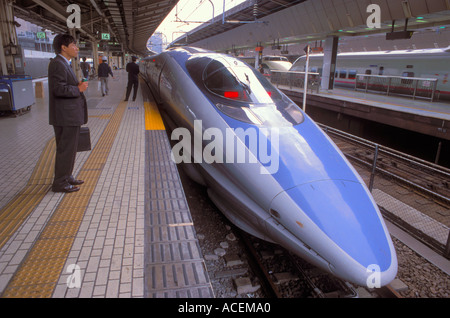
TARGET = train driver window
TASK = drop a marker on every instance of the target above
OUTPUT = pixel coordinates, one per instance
(243, 93)
(221, 81)
(352, 74)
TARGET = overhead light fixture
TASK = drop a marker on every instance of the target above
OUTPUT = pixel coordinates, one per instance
(400, 35)
(406, 9)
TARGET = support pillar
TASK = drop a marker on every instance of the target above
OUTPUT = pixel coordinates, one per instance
(2, 56)
(95, 55)
(9, 45)
(329, 62)
(258, 57)
(76, 61)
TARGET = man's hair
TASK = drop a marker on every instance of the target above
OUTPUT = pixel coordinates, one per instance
(62, 39)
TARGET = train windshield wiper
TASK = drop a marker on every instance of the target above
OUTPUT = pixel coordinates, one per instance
(246, 87)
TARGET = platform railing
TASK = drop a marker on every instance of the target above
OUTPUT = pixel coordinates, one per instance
(293, 79)
(398, 85)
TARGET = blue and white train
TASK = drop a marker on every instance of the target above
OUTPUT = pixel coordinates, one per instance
(311, 202)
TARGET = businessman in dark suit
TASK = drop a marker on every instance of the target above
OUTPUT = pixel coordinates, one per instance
(67, 111)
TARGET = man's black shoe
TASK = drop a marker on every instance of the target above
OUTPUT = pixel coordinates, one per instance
(76, 182)
(67, 189)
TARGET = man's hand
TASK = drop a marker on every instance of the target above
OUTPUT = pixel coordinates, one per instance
(82, 86)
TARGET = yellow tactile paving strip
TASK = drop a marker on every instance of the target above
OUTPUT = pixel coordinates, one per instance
(39, 273)
(19, 208)
(153, 120)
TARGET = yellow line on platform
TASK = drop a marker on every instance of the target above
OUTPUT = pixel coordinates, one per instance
(153, 120)
(40, 271)
(13, 214)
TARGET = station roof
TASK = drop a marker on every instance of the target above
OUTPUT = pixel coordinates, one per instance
(129, 22)
(305, 20)
(246, 12)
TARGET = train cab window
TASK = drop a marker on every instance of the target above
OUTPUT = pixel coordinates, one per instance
(222, 82)
(242, 92)
(352, 74)
(343, 74)
(237, 82)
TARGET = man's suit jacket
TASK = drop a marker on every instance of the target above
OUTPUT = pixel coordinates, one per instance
(67, 105)
(133, 71)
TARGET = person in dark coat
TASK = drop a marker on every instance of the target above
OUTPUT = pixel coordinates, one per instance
(133, 80)
(104, 70)
(67, 111)
(85, 68)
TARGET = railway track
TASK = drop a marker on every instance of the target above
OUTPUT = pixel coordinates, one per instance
(428, 179)
(285, 275)
(419, 185)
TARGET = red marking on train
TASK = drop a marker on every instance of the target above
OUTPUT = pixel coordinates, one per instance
(231, 94)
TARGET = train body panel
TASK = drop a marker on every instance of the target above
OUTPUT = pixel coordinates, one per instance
(267, 166)
(431, 63)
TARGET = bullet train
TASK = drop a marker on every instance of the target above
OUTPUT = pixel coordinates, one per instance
(425, 63)
(270, 63)
(267, 166)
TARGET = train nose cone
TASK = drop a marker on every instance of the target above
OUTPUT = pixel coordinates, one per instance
(340, 221)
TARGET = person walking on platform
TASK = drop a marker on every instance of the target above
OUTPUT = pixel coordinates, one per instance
(133, 81)
(85, 68)
(103, 71)
(67, 111)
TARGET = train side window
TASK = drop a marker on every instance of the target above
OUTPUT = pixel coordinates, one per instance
(342, 74)
(408, 74)
(381, 70)
(368, 72)
(336, 75)
(352, 74)
(407, 81)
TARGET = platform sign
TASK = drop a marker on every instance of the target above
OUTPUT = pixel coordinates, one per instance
(40, 35)
(106, 36)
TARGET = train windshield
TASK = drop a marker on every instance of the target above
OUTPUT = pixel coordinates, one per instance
(242, 92)
(238, 82)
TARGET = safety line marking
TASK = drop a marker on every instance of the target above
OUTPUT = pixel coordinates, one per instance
(153, 120)
(17, 210)
(40, 271)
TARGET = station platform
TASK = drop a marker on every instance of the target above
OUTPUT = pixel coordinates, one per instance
(128, 232)
(418, 115)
